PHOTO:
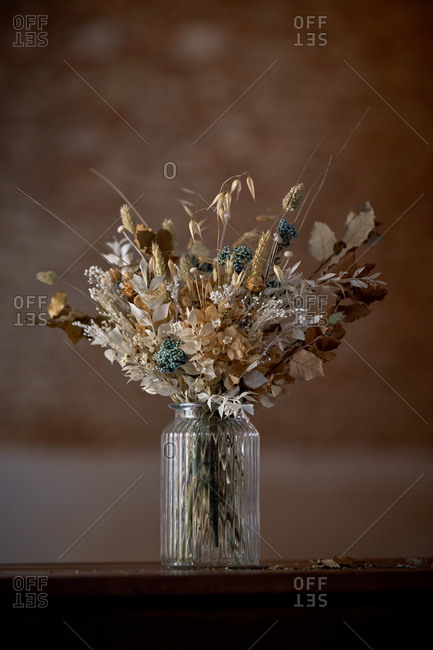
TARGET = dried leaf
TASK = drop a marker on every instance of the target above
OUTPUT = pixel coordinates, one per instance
(254, 379)
(342, 263)
(328, 563)
(144, 238)
(305, 366)
(333, 338)
(67, 316)
(266, 401)
(164, 239)
(374, 239)
(156, 282)
(328, 355)
(189, 348)
(370, 294)
(195, 317)
(352, 312)
(358, 226)
(57, 303)
(161, 312)
(322, 241)
(336, 317)
(313, 333)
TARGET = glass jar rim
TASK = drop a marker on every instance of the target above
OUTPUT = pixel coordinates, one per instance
(186, 405)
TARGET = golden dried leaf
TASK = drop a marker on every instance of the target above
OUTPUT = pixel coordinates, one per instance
(57, 303)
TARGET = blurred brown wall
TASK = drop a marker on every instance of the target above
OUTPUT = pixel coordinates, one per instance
(216, 89)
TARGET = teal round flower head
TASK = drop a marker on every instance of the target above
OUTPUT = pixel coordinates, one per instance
(287, 232)
(241, 256)
(170, 356)
(224, 255)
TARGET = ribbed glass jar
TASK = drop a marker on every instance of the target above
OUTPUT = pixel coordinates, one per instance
(210, 513)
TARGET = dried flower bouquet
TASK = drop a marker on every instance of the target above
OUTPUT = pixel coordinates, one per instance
(230, 326)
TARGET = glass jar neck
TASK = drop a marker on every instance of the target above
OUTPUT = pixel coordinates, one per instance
(190, 410)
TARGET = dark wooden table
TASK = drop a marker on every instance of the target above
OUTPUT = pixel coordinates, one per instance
(361, 604)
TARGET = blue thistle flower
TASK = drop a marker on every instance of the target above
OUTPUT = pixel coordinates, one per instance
(287, 231)
(224, 255)
(241, 256)
(170, 356)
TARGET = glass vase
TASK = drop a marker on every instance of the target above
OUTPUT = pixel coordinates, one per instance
(210, 513)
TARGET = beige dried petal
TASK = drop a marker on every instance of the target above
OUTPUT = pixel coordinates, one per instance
(250, 185)
(236, 185)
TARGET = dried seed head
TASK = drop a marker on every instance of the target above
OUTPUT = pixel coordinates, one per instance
(293, 198)
(160, 267)
(47, 277)
(261, 255)
(184, 267)
(128, 219)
